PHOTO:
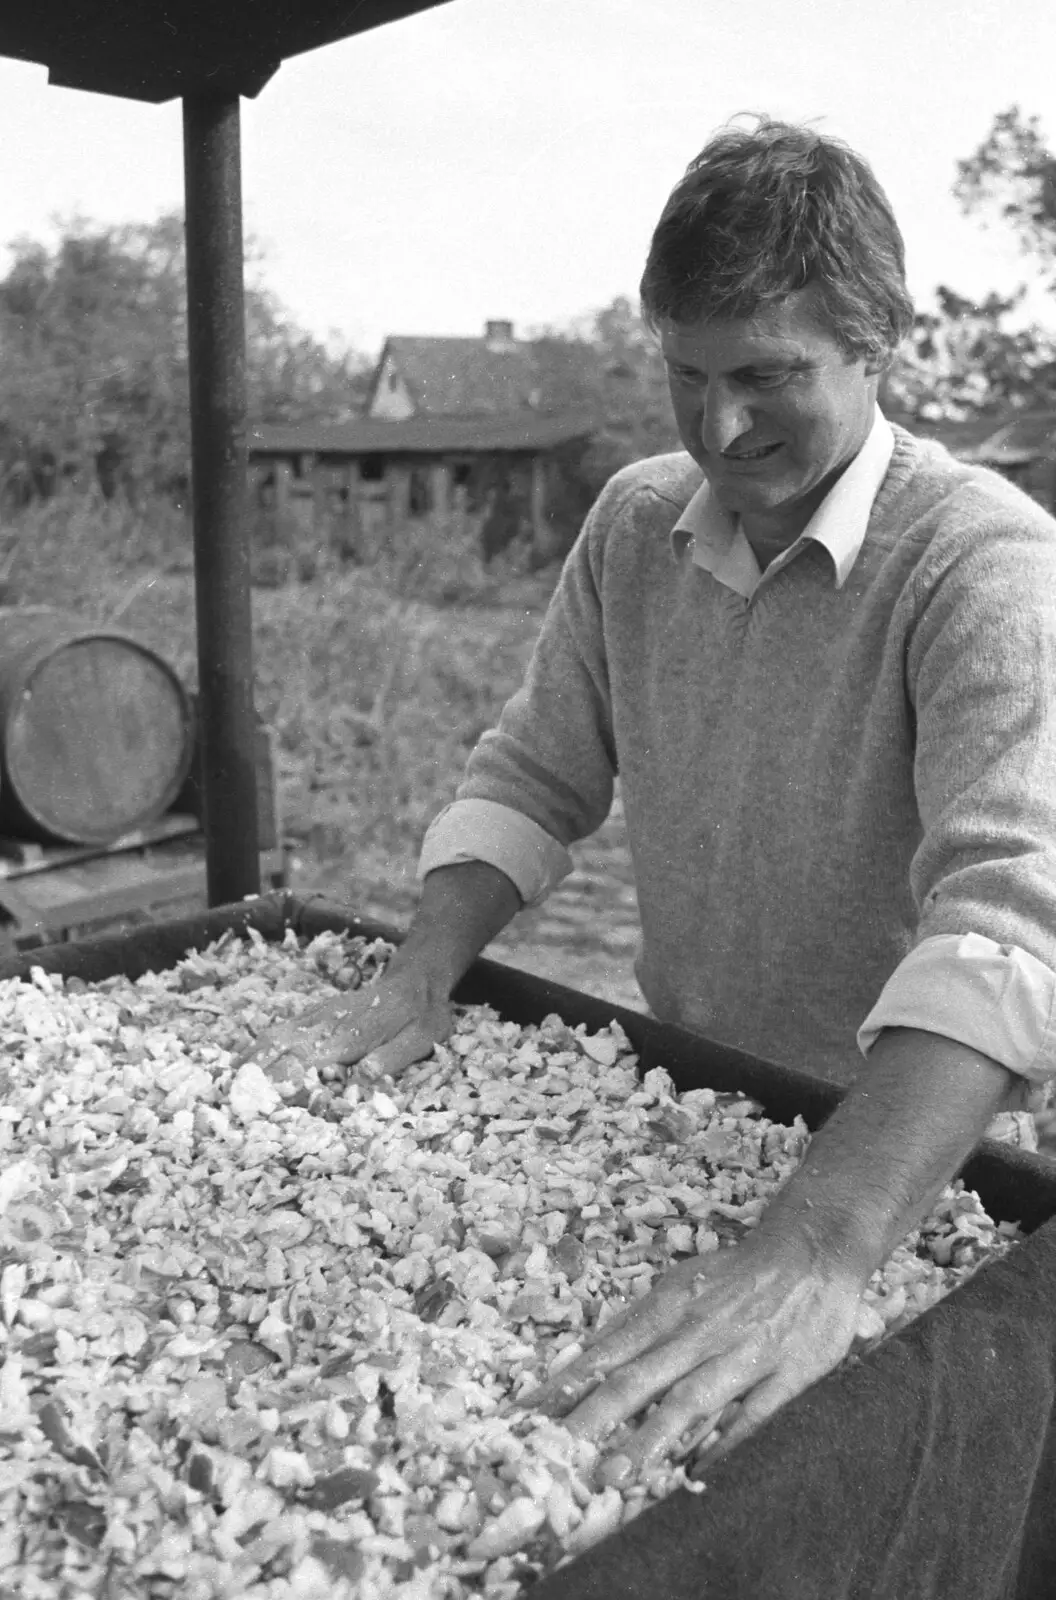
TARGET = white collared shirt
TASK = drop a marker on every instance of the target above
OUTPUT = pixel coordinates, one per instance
(719, 546)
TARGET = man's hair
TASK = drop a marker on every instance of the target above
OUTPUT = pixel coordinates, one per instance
(765, 211)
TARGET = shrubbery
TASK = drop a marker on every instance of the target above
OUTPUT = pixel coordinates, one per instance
(93, 385)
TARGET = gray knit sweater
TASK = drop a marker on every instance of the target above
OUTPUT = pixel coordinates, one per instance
(818, 779)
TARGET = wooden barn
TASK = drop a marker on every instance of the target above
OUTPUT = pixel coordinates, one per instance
(361, 481)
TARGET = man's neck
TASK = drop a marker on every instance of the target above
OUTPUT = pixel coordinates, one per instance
(769, 543)
(771, 536)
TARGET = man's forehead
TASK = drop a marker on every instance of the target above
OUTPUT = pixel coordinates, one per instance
(791, 326)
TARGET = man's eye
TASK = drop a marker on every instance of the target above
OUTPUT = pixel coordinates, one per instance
(766, 380)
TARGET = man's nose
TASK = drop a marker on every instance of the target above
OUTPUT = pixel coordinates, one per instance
(725, 418)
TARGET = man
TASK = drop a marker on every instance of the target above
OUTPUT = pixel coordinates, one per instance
(822, 657)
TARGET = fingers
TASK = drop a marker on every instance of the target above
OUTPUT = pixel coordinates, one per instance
(660, 1370)
(690, 1444)
(686, 1419)
(391, 1059)
(746, 1418)
(337, 1032)
(692, 1409)
(624, 1337)
(267, 1051)
(690, 1415)
(294, 1037)
(621, 1469)
(381, 1031)
(642, 1327)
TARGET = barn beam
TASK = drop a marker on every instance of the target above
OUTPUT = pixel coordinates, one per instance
(217, 367)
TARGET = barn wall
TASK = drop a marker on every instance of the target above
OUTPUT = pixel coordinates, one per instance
(301, 499)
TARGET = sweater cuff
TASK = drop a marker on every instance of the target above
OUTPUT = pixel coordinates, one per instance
(483, 830)
(998, 999)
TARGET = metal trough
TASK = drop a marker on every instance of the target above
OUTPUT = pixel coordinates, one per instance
(758, 1502)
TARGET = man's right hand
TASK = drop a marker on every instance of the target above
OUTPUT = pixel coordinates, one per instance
(399, 1018)
(394, 1021)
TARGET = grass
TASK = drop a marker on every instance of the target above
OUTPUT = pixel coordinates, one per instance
(377, 701)
(377, 681)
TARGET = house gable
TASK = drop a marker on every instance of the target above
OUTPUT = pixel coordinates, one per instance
(492, 376)
(389, 395)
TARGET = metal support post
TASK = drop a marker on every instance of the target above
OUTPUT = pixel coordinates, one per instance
(217, 364)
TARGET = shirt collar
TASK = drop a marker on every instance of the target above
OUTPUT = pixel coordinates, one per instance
(838, 525)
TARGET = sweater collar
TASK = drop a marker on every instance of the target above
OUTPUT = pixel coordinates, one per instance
(839, 524)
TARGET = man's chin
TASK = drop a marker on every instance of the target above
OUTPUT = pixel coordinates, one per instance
(739, 499)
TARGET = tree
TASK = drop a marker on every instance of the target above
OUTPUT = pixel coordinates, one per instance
(608, 365)
(1012, 176)
(94, 348)
(290, 375)
(970, 358)
(93, 383)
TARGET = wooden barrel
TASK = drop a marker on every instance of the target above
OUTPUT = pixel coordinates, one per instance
(96, 729)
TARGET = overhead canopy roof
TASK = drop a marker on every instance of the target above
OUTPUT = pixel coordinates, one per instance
(160, 49)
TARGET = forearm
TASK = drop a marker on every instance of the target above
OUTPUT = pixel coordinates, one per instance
(461, 909)
(917, 1111)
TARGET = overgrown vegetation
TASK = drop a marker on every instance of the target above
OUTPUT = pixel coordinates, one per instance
(966, 357)
(377, 681)
(93, 385)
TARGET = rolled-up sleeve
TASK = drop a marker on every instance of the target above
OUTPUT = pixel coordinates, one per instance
(998, 999)
(483, 830)
(981, 680)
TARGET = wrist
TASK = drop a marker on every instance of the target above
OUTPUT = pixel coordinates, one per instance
(883, 1158)
(462, 907)
(424, 967)
(847, 1240)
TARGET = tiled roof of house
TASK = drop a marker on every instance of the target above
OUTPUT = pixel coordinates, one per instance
(958, 437)
(464, 377)
(1007, 441)
(529, 431)
(1026, 438)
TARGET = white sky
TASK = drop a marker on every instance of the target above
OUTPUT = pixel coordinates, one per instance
(509, 158)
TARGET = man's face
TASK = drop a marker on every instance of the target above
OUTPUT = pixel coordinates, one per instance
(771, 409)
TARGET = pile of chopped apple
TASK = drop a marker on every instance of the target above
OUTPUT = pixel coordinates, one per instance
(266, 1334)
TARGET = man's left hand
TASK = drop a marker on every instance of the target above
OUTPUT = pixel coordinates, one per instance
(755, 1323)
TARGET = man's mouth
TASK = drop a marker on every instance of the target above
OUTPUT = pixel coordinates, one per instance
(759, 454)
